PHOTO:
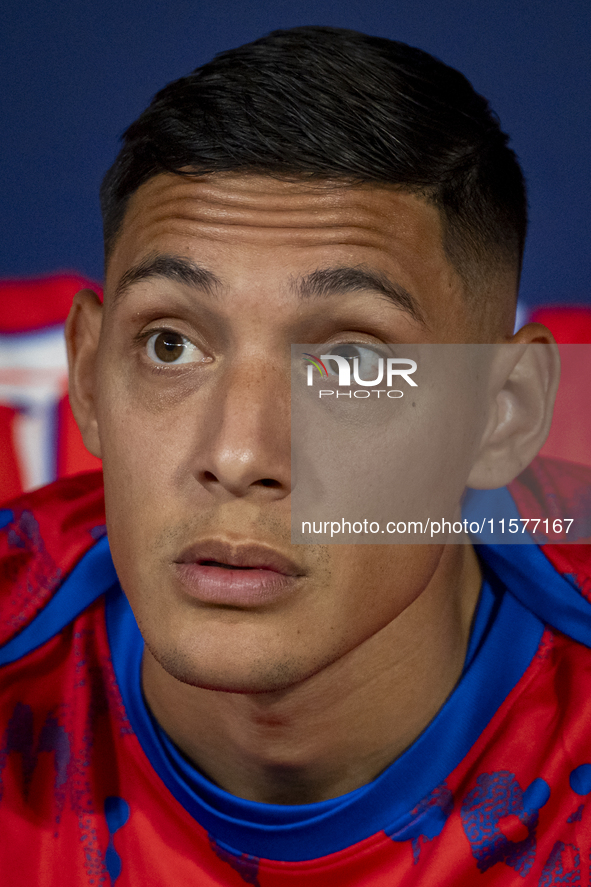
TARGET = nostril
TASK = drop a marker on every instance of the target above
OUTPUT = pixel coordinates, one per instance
(269, 482)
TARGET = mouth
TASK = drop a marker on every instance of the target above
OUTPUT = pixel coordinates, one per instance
(244, 575)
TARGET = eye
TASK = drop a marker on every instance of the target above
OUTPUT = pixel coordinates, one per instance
(368, 359)
(167, 347)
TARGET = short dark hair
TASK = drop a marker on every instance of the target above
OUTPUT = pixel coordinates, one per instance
(326, 103)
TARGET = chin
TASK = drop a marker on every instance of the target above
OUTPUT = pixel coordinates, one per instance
(228, 674)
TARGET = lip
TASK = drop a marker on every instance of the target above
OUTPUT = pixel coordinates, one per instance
(252, 575)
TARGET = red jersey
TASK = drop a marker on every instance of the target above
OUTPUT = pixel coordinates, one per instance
(92, 792)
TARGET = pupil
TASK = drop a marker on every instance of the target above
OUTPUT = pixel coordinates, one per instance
(168, 346)
(347, 351)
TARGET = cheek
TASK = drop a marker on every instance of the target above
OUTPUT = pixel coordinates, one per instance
(380, 581)
(141, 453)
(143, 433)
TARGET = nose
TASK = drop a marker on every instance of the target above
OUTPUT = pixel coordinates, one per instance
(244, 447)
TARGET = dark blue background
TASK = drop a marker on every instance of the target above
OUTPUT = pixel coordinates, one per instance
(74, 75)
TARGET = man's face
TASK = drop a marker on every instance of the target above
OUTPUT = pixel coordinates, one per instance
(206, 290)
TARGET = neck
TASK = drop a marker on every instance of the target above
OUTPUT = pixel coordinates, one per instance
(337, 730)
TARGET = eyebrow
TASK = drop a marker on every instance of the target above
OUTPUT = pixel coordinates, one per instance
(324, 282)
(175, 268)
(345, 279)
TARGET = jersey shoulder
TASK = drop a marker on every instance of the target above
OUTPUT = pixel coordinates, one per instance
(43, 535)
(555, 488)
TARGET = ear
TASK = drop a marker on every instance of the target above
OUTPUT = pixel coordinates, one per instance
(522, 388)
(82, 332)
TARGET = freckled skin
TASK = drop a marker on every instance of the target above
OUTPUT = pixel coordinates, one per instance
(321, 690)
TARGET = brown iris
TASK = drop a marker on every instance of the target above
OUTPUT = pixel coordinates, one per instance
(168, 347)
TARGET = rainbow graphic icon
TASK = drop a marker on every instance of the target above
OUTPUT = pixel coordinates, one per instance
(314, 361)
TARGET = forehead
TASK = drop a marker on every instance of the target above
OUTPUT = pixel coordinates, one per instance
(258, 231)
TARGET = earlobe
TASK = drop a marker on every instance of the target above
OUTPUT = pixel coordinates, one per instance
(523, 383)
(82, 332)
